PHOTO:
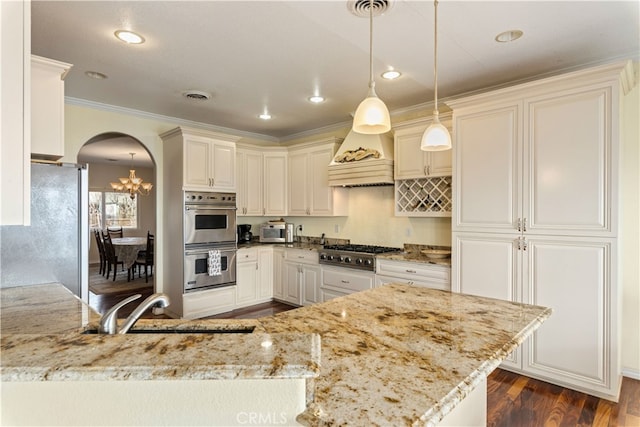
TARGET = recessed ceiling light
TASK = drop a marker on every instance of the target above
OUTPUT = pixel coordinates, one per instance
(316, 99)
(95, 75)
(129, 37)
(391, 74)
(509, 36)
(265, 116)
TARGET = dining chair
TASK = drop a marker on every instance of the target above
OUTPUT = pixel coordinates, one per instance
(112, 259)
(145, 258)
(115, 232)
(103, 258)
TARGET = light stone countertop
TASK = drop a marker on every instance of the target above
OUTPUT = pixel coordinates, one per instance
(394, 355)
(42, 340)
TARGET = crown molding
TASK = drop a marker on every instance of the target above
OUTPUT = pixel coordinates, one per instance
(174, 120)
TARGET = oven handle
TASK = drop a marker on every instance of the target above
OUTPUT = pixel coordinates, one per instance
(206, 251)
(208, 208)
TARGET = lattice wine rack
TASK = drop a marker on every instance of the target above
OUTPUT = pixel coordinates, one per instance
(424, 196)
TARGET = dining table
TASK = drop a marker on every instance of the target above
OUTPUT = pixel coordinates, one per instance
(126, 249)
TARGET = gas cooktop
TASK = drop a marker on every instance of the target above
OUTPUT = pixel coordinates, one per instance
(353, 256)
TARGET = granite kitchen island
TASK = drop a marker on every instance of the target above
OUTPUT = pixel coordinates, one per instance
(395, 355)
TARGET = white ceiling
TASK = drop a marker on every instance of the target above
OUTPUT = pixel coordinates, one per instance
(254, 56)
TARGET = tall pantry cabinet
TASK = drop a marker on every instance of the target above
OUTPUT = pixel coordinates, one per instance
(535, 217)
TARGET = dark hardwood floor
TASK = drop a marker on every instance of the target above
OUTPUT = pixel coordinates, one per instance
(512, 400)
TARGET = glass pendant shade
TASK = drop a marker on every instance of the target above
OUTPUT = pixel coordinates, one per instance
(372, 116)
(436, 137)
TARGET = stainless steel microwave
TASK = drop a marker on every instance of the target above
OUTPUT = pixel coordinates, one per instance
(276, 233)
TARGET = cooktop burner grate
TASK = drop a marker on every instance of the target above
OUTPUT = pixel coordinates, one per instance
(370, 249)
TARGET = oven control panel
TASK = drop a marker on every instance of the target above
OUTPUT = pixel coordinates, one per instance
(355, 260)
(210, 198)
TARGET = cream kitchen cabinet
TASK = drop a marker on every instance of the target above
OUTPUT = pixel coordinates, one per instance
(415, 273)
(15, 113)
(278, 268)
(410, 161)
(249, 192)
(339, 281)
(209, 164)
(265, 273)
(246, 277)
(261, 182)
(577, 347)
(309, 192)
(535, 217)
(301, 277)
(254, 276)
(47, 107)
(200, 159)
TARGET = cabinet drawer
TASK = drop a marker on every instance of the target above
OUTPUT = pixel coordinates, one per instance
(414, 271)
(346, 281)
(209, 302)
(247, 255)
(302, 256)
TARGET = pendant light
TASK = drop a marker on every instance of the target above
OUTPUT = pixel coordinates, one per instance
(372, 116)
(436, 137)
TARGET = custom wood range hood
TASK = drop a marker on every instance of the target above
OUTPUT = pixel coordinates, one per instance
(362, 160)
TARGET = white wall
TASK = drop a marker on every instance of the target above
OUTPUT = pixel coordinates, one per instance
(371, 221)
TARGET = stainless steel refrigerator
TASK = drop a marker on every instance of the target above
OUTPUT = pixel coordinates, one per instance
(55, 247)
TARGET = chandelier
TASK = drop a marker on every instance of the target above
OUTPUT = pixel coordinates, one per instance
(132, 184)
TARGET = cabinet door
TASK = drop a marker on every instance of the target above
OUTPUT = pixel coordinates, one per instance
(291, 282)
(489, 266)
(265, 273)
(321, 195)
(576, 345)
(275, 183)
(310, 284)
(223, 163)
(253, 183)
(197, 155)
(47, 107)
(15, 112)
(241, 185)
(487, 168)
(298, 183)
(439, 163)
(278, 273)
(568, 163)
(246, 283)
(410, 161)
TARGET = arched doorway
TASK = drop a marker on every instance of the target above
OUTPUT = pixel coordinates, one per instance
(109, 158)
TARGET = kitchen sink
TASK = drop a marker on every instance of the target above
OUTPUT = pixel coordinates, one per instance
(246, 330)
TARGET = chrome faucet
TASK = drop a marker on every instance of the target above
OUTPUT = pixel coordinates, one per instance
(109, 322)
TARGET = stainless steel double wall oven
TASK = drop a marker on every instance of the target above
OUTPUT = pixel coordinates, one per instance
(209, 225)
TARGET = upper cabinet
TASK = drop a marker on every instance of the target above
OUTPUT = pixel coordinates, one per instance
(540, 159)
(261, 181)
(199, 160)
(15, 101)
(209, 164)
(309, 190)
(423, 178)
(47, 107)
(410, 161)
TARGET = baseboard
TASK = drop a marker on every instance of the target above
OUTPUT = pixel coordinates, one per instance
(631, 373)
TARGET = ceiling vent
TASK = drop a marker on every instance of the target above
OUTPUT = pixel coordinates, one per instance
(196, 95)
(360, 8)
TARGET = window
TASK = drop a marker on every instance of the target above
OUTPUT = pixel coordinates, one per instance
(110, 209)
